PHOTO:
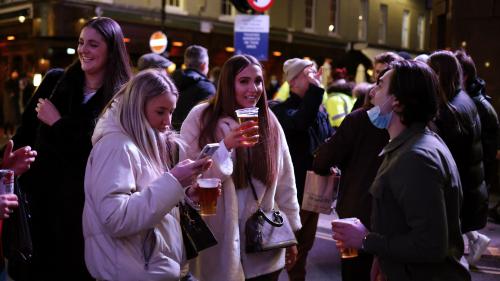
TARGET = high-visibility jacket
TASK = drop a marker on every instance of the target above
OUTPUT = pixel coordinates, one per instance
(338, 105)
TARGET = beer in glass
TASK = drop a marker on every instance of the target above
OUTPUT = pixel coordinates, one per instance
(6, 181)
(347, 253)
(248, 114)
(208, 195)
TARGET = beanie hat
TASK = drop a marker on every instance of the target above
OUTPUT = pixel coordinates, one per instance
(153, 60)
(293, 67)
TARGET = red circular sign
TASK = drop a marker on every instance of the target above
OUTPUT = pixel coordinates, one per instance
(260, 5)
(158, 42)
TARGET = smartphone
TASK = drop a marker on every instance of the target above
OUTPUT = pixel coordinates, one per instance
(208, 150)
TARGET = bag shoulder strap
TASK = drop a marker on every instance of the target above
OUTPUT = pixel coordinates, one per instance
(277, 219)
(254, 192)
(249, 178)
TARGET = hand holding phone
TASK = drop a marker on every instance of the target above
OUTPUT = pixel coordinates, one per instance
(208, 150)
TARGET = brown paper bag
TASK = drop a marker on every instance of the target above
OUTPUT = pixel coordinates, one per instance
(320, 192)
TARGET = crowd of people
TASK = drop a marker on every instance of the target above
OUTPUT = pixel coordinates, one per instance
(105, 158)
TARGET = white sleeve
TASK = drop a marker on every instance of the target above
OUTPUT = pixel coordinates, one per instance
(222, 166)
(222, 159)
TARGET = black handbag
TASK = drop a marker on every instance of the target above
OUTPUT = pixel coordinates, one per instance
(16, 237)
(267, 230)
(195, 232)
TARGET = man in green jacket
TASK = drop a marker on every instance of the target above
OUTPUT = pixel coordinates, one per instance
(415, 232)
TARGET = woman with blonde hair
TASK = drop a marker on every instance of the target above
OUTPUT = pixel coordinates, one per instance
(132, 185)
(243, 158)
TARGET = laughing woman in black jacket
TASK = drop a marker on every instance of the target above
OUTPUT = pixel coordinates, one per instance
(58, 123)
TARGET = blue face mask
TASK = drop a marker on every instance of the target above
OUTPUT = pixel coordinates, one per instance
(378, 120)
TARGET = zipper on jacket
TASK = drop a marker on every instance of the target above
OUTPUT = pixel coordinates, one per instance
(148, 247)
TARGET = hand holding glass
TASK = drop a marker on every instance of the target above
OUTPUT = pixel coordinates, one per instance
(345, 252)
(248, 114)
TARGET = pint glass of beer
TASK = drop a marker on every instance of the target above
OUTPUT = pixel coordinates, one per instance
(6, 181)
(208, 195)
(347, 253)
(248, 114)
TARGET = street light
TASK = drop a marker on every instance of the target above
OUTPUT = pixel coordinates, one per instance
(37, 79)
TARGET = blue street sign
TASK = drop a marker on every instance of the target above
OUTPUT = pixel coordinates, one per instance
(251, 35)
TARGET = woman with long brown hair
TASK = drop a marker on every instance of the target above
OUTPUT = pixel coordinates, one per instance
(58, 122)
(459, 125)
(265, 157)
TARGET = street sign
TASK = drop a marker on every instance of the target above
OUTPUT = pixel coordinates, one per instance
(260, 5)
(251, 35)
(158, 42)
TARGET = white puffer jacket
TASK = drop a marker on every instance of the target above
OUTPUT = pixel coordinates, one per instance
(124, 201)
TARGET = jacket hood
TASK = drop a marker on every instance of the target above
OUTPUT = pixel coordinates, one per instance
(188, 77)
(477, 87)
(108, 123)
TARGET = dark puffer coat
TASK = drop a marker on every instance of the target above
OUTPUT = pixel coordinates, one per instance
(54, 184)
(489, 127)
(194, 87)
(306, 127)
(460, 128)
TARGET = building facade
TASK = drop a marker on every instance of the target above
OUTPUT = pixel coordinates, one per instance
(475, 27)
(37, 35)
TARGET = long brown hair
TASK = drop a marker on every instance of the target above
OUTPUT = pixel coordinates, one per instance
(224, 105)
(118, 70)
(449, 71)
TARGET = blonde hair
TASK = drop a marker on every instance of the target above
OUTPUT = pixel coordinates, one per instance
(157, 147)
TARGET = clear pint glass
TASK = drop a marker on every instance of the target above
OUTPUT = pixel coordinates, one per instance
(6, 181)
(347, 253)
(248, 114)
(208, 195)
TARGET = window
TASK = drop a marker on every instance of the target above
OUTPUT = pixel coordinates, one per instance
(175, 7)
(9, 1)
(100, 1)
(363, 20)
(227, 11)
(421, 32)
(174, 3)
(405, 31)
(382, 24)
(310, 4)
(441, 31)
(334, 9)
(226, 8)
